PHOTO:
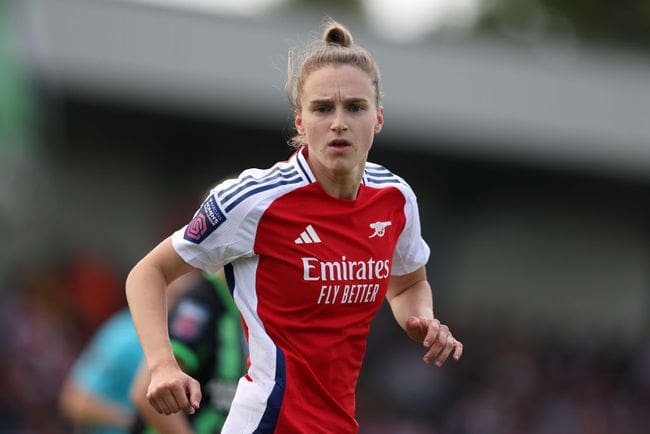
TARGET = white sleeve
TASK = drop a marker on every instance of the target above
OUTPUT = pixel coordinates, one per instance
(411, 252)
(224, 228)
(214, 237)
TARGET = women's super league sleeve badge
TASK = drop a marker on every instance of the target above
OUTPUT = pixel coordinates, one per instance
(205, 221)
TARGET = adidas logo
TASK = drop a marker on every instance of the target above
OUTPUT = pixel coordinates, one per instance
(308, 236)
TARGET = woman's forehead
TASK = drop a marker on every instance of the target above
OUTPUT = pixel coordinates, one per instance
(335, 81)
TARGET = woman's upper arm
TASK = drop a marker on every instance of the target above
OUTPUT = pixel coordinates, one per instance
(165, 259)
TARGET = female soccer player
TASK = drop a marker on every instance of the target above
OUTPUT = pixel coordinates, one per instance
(312, 246)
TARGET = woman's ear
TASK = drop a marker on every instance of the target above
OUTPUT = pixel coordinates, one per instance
(297, 121)
(380, 119)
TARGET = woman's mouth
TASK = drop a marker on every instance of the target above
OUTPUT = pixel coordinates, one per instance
(339, 144)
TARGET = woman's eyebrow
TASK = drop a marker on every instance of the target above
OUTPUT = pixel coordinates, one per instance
(356, 101)
(324, 101)
(320, 101)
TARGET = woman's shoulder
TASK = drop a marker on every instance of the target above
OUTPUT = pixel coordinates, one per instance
(378, 176)
(258, 183)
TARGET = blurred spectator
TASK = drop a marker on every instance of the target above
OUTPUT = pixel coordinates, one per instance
(95, 395)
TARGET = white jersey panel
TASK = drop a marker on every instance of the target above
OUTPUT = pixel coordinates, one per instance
(262, 350)
(253, 391)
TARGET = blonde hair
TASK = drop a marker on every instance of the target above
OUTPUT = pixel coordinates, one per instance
(337, 48)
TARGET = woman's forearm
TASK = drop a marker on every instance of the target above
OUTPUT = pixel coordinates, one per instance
(145, 292)
(146, 288)
(414, 301)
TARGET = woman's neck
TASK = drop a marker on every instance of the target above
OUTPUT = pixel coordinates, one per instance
(339, 185)
(340, 190)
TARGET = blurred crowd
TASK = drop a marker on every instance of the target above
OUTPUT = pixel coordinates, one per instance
(509, 381)
(48, 313)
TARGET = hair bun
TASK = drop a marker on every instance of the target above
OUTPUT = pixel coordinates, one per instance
(336, 34)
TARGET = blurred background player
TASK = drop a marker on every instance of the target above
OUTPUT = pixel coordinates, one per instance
(207, 340)
(94, 397)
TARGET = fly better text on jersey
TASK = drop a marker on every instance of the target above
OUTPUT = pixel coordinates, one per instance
(348, 294)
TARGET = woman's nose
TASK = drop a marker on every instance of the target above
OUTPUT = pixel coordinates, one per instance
(339, 123)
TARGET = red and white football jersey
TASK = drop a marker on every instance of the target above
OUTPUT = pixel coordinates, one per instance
(308, 273)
